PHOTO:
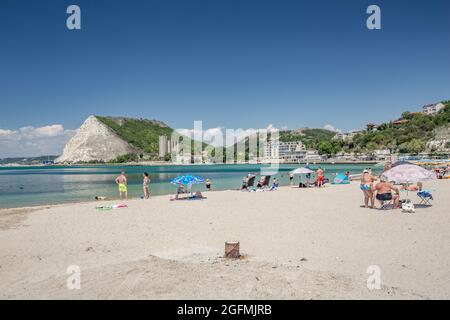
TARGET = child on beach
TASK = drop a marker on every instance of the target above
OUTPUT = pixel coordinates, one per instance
(145, 184)
(208, 184)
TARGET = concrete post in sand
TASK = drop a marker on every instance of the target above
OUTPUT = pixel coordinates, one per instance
(232, 250)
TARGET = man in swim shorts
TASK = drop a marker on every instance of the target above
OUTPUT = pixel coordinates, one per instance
(319, 177)
(121, 181)
(384, 192)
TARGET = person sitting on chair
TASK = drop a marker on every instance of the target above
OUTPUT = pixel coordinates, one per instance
(384, 192)
(261, 183)
(275, 185)
(180, 190)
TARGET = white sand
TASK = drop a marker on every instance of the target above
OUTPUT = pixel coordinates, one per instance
(299, 244)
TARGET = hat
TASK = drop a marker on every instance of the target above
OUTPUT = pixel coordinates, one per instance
(366, 171)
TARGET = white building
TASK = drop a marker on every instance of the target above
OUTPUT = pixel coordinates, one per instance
(312, 155)
(347, 136)
(167, 146)
(289, 152)
(432, 109)
(163, 146)
(382, 155)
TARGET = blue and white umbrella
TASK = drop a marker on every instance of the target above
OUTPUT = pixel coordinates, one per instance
(187, 180)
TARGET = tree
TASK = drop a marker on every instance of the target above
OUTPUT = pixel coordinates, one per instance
(325, 147)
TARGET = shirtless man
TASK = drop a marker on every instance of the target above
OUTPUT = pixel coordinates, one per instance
(384, 192)
(121, 181)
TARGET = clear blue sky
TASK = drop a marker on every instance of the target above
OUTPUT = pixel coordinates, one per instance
(234, 64)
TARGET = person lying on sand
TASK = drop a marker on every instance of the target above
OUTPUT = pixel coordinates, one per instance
(414, 187)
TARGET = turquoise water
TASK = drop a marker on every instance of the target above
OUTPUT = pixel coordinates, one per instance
(29, 186)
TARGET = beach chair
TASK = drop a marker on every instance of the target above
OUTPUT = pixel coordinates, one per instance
(386, 205)
(265, 183)
(251, 181)
(425, 197)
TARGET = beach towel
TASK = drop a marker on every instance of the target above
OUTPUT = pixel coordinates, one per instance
(113, 207)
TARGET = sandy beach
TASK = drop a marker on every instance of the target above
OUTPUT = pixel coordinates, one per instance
(297, 244)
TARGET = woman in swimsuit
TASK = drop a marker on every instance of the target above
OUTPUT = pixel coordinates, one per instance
(367, 188)
(145, 183)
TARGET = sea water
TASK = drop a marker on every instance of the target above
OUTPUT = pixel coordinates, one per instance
(40, 185)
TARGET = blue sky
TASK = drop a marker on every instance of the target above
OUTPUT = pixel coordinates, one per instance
(233, 64)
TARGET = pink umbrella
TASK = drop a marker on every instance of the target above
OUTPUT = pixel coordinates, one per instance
(408, 173)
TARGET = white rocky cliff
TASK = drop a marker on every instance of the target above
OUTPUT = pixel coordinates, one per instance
(94, 141)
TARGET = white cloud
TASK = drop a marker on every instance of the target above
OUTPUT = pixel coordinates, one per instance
(331, 128)
(30, 141)
(42, 132)
(9, 135)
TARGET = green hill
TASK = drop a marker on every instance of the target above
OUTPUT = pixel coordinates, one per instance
(141, 133)
(409, 134)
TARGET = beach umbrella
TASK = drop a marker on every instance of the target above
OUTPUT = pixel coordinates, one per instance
(187, 180)
(302, 170)
(400, 163)
(408, 173)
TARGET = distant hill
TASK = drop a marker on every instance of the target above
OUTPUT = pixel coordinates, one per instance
(114, 139)
(414, 132)
(143, 134)
(24, 161)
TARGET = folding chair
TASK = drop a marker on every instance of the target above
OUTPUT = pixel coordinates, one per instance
(387, 204)
(425, 197)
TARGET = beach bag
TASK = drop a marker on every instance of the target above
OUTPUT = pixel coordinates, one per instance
(408, 206)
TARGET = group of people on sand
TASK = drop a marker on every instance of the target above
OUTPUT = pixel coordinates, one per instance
(318, 183)
(383, 191)
(441, 172)
(122, 184)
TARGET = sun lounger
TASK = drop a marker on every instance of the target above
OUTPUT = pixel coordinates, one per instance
(251, 181)
(264, 183)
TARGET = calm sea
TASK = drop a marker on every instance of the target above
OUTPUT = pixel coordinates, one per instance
(29, 186)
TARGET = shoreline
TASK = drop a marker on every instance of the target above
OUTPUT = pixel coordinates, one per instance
(155, 164)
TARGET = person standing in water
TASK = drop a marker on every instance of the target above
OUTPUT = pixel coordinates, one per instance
(145, 184)
(121, 181)
(208, 184)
